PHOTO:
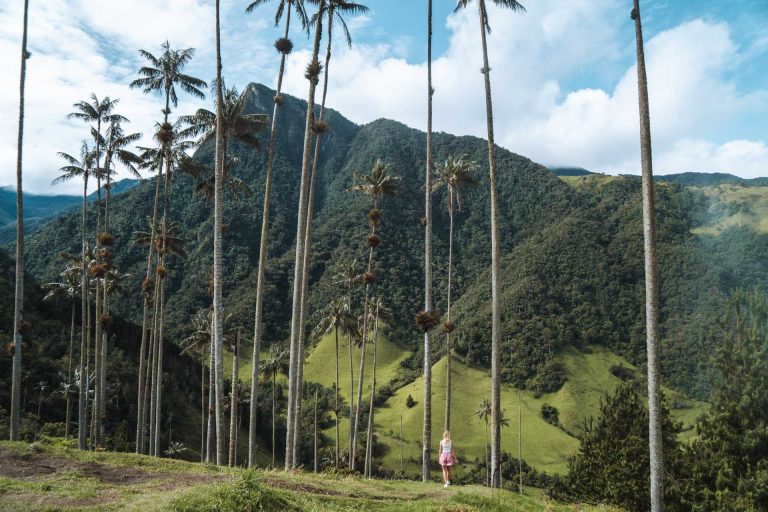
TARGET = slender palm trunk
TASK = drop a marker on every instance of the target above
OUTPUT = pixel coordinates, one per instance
(448, 317)
(274, 389)
(141, 420)
(19, 282)
(336, 400)
(88, 368)
(97, 361)
(487, 466)
(520, 440)
(363, 347)
(257, 329)
(293, 383)
(651, 275)
(210, 455)
(153, 365)
(351, 386)
(308, 232)
(82, 402)
(233, 398)
(495, 298)
(315, 451)
(426, 445)
(68, 420)
(202, 407)
(218, 318)
(369, 438)
(159, 381)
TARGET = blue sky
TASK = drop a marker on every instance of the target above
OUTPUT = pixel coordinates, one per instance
(563, 75)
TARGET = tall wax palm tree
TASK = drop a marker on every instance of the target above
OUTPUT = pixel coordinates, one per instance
(68, 289)
(18, 318)
(651, 276)
(312, 74)
(335, 317)
(348, 276)
(162, 75)
(484, 412)
(82, 168)
(98, 112)
(376, 185)
(426, 443)
(455, 174)
(485, 28)
(166, 242)
(336, 9)
(218, 220)
(284, 46)
(234, 347)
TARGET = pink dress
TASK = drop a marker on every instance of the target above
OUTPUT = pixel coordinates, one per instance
(446, 455)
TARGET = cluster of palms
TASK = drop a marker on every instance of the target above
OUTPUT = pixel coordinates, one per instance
(107, 147)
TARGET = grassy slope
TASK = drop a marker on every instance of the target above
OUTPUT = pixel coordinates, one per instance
(545, 447)
(744, 206)
(58, 478)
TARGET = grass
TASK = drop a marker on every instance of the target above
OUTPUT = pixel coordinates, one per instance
(734, 205)
(79, 482)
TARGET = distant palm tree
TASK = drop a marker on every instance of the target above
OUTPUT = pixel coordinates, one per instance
(349, 275)
(455, 174)
(19, 326)
(376, 185)
(68, 289)
(276, 363)
(115, 142)
(234, 187)
(312, 74)
(484, 412)
(284, 46)
(166, 241)
(163, 74)
(651, 277)
(98, 112)
(335, 10)
(335, 317)
(485, 27)
(82, 168)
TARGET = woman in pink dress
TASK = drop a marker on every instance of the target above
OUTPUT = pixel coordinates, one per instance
(447, 457)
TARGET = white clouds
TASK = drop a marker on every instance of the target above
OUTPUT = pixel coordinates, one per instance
(564, 89)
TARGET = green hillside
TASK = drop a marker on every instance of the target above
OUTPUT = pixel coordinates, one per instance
(545, 447)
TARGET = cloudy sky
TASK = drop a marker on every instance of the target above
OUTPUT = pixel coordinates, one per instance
(563, 75)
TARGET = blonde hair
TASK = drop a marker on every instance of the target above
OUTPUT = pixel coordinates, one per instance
(446, 435)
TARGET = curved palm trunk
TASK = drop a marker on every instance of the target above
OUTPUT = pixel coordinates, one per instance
(141, 420)
(257, 329)
(82, 402)
(293, 382)
(495, 299)
(19, 293)
(369, 441)
(651, 273)
(448, 317)
(426, 445)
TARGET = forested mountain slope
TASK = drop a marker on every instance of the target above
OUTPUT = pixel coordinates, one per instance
(572, 257)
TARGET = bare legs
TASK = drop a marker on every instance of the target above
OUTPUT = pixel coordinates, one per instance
(446, 474)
